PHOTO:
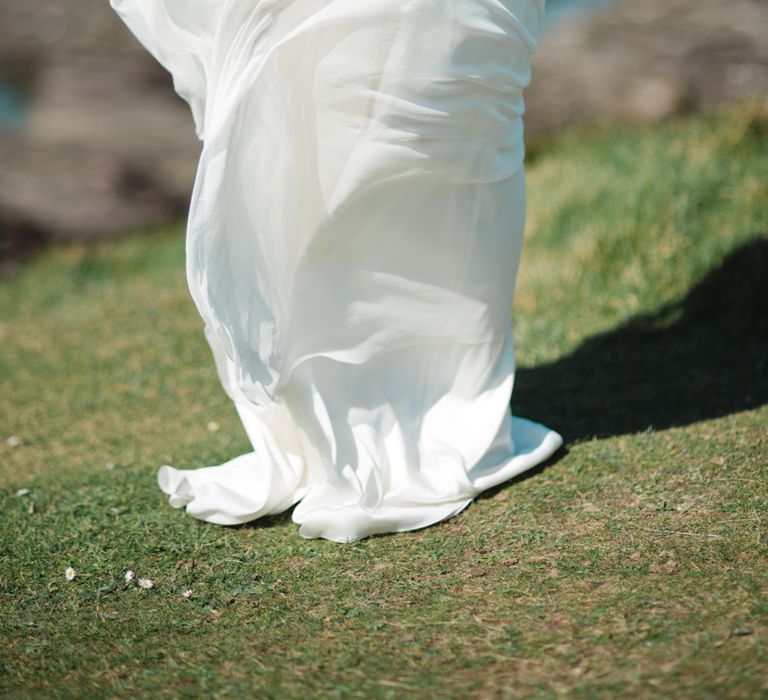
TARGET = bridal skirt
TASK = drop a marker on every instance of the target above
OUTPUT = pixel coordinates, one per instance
(352, 247)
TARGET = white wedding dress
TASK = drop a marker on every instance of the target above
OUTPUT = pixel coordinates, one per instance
(352, 246)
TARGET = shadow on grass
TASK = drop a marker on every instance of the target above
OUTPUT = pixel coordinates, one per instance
(267, 522)
(700, 358)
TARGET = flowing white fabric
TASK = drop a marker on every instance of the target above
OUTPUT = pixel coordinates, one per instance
(352, 246)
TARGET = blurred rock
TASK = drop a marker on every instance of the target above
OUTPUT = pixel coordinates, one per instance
(101, 151)
(104, 145)
(648, 59)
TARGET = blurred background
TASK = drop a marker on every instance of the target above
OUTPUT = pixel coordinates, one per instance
(94, 142)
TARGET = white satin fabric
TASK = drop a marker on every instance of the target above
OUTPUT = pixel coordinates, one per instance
(353, 242)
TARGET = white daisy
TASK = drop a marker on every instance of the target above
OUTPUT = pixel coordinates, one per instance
(213, 426)
(70, 573)
(145, 583)
(187, 593)
(129, 576)
(109, 465)
(13, 441)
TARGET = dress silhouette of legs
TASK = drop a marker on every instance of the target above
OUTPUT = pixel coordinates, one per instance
(353, 242)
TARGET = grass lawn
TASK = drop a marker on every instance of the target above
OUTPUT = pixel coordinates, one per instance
(633, 564)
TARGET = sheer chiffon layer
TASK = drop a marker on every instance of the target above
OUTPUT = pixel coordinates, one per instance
(352, 247)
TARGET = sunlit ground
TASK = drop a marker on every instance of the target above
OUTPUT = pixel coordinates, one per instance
(634, 564)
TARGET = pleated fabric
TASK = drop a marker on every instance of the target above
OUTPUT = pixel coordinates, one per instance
(352, 247)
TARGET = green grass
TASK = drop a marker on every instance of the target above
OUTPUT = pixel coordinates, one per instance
(635, 564)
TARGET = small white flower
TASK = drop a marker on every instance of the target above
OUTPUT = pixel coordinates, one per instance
(129, 576)
(213, 426)
(22, 492)
(70, 573)
(187, 593)
(13, 441)
(109, 465)
(145, 583)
